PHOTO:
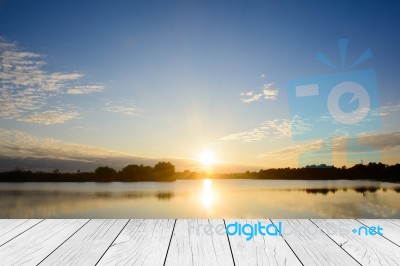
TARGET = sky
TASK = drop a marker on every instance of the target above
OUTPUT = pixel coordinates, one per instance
(137, 80)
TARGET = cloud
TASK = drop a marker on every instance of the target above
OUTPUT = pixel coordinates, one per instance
(26, 88)
(276, 128)
(382, 142)
(15, 143)
(85, 89)
(292, 151)
(49, 117)
(388, 109)
(250, 96)
(127, 108)
(21, 149)
(268, 92)
(247, 136)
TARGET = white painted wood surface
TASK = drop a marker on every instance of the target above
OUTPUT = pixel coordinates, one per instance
(197, 247)
(87, 245)
(13, 227)
(261, 250)
(164, 242)
(394, 221)
(141, 242)
(390, 230)
(367, 250)
(311, 245)
(34, 245)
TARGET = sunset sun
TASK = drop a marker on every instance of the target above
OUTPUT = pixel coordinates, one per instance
(207, 158)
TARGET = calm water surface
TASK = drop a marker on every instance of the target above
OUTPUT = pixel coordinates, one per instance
(202, 199)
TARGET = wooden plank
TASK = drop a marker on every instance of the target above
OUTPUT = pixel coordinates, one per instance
(88, 245)
(261, 250)
(35, 244)
(10, 228)
(141, 242)
(311, 245)
(196, 247)
(390, 230)
(367, 250)
(395, 221)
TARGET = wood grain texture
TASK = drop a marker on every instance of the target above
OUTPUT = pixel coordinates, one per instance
(394, 221)
(141, 242)
(261, 250)
(155, 242)
(198, 247)
(88, 245)
(367, 250)
(311, 245)
(13, 227)
(390, 231)
(38, 242)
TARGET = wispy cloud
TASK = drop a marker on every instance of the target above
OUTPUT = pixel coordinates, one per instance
(123, 107)
(26, 88)
(388, 109)
(383, 142)
(276, 128)
(15, 143)
(22, 149)
(268, 92)
(85, 89)
(250, 96)
(49, 117)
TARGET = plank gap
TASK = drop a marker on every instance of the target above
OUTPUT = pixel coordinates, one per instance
(21, 232)
(288, 245)
(112, 242)
(229, 242)
(169, 244)
(62, 242)
(335, 242)
(377, 233)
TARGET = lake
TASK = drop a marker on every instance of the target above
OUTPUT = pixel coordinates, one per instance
(205, 198)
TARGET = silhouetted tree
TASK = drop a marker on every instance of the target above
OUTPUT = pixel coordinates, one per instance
(105, 173)
(164, 170)
(136, 172)
(130, 171)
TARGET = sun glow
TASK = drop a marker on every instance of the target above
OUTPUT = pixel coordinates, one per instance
(207, 158)
(207, 195)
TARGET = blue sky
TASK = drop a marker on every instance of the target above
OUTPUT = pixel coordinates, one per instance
(168, 80)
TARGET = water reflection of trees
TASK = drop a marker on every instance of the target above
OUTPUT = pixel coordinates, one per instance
(364, 190)
(323, 191)
(160, 195)
(359, 189)
(165, 196)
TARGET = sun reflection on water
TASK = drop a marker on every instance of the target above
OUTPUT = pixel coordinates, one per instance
(207, 194)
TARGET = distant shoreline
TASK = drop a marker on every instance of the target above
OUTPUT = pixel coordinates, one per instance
(165, 172)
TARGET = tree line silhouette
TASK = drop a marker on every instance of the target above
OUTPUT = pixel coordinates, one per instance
(165, 171)
(162, 171)
(370, 171)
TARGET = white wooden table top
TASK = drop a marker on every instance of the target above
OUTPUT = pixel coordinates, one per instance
(168, 242)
